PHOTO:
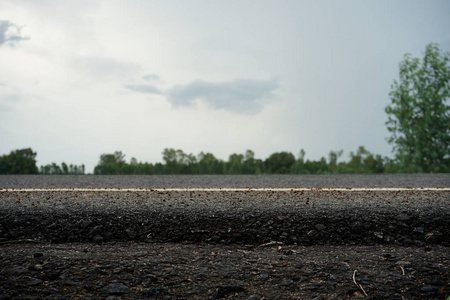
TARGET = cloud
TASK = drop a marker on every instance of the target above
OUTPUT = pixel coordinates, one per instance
(150, 77)
(143, 88)
(242, 96)
(102, 67)
(9, 32)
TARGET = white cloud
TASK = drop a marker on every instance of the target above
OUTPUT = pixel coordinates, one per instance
(151, 77)
(143, 88)
(242, 96)
(10, 33)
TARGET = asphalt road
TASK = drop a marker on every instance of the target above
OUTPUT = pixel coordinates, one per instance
(225, 244)
(406, 217)
(284, 181)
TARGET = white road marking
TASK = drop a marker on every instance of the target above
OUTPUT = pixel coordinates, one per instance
(392, 189)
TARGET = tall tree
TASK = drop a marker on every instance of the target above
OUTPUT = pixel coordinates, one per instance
(280, 163)
(419, 114)
(110, 164)
(21, 161)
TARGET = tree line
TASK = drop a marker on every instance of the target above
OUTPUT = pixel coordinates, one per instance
(23, 161)
(179, 162)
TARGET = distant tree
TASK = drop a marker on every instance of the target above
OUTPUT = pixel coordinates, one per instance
(234, 164)
(363, 162)
(178, 162)
(419, 113)
(299, 166)
(316, 167)
(110, 163)
(249, 163)
(209, 164)
(333, 158)
(65, 168)
(280, 163)
(54, 169)
(21, 161)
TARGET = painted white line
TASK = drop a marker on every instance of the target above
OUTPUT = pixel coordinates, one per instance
(393, 189)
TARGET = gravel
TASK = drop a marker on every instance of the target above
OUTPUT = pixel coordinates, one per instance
(130, 270)
(292, 217)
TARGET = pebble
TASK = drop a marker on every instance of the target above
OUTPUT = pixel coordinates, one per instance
(223, 291)
(116, 288)
(153, 292)
(34, 282)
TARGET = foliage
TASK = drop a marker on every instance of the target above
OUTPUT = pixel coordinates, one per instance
(178, 162)
(419, 114)
(280, 163)
(110, 164)
(21, 161)
(64, 169)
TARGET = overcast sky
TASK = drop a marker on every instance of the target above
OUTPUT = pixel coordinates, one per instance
(82, 78)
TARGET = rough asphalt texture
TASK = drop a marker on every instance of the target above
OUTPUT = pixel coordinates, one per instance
(331, 224)
(151, 181)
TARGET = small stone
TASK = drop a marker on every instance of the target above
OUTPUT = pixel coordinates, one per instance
(131, 233)
(153, 292)
(378, 234)
(223, 291)
(389, 239)
(36, 267)
(97, 239)
(18, 270)
(72, 283)
(419, 230)
(320, 227)
(116, 288)
(287, 283)
(34, 281)
(429, 289)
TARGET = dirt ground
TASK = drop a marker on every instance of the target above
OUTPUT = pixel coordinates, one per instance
(130, 270)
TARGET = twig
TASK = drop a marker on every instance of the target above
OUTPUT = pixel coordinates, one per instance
(24, 240)
(358, 285)
(272, 243)
(403, 270)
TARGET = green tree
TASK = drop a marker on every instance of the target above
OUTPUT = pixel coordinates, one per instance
(249, 164)
(209, 164)
(110, 164)
(363, 162)
(234, 164)
(65, 168)
(21, 161)
(419, 113)
(333, 157)
(316, 167)
(280, 163)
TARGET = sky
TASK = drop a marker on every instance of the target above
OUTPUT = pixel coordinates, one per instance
(80, 78)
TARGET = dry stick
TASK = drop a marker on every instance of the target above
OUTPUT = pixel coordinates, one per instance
(24, 240)
(403, 270)
(358, 285)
